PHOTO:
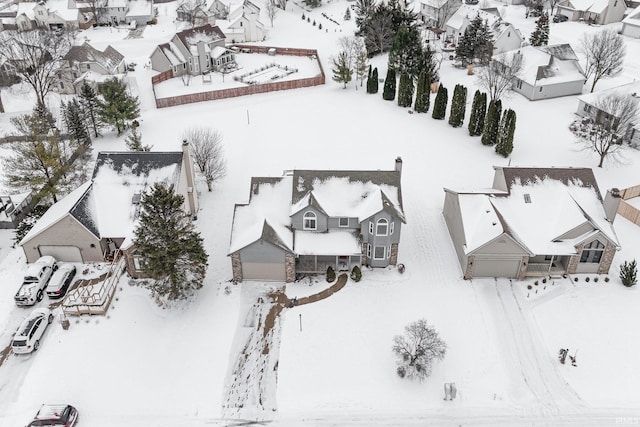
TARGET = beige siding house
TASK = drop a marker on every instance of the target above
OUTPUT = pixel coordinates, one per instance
(533, 222)
(97, 219)
(600, 12)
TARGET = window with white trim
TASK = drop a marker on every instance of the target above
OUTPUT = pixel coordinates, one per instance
(138, 263)
(378, 252)
(368, 251)
(309, 221)
(371, 227)
(382, 227)
(343, 222)
(592, 252)
(388, 251)
(392, 227)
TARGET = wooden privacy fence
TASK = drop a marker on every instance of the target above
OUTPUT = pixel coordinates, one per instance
(243, 90)
(626, 209)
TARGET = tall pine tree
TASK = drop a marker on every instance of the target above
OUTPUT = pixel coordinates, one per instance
(540, 36)
(389, 90)
(172, 250)
(74, 121)
(89, 102)
(341, 70)
(406, 52)
(372, 82)
(117, 107)
(458, 106)
(492, 123)
(504, 145)
(440, 104)
(478, 113)
(405, 90)
(134, 140)
(422, 93)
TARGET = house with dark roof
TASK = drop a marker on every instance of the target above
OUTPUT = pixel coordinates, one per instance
(195, 51)
(86, 63)
(308, 220)
(98, 218)
(533, 222)
(547, 71)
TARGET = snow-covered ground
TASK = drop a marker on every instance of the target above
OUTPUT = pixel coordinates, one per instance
(142, 365)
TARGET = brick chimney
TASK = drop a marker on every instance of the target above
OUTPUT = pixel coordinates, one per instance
(398, 164)
(187, 163)
(611, 203)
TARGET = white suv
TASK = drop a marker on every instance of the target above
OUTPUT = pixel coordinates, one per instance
(27, 337)
(61, 280)
(35, 281)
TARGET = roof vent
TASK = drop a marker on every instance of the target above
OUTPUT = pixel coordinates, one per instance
(527, 198)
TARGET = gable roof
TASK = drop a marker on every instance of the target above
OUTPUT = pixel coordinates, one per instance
(109, 59)
(205, 33)
(468, 13)
(547, 64)
(633, 18)
(630, 89)
(539, 206)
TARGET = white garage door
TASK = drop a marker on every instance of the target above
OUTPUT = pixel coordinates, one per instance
(62, 253)
(496, 267)
(263, 271)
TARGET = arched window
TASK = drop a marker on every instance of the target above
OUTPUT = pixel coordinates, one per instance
(592, 252)
(382, 227)
(309, 221)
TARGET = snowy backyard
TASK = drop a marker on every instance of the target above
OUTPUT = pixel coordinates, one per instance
(329, 362)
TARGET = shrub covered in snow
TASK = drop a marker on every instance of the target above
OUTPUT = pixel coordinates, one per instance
(356, 274)
(628, 273)
(331, 274)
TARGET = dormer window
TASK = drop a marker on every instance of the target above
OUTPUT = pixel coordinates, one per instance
(382, 227)
(309, 221)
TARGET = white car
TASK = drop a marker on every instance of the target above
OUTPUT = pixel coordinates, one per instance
(61, 280)
(28, 335)
(55, 416)
(35, 281)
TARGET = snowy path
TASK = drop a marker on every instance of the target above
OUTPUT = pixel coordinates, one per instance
(551, 393)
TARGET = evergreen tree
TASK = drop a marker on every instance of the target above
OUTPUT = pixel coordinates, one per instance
(440, 104)
(492, 123)
(347, 14)
(173, 252)
(540, 36)
(478, 112)
(458, 106)
(628, 273)
(504, 145)
(74, 121)
(475, 43)
(484, 44)
(43, 117)
(405, 55)
(422, 93)
(117, 106)
(372, 82)
(429, 64)
(405, 90)
(134, 140)
(89, 102)
(341, 69)
(389, 90)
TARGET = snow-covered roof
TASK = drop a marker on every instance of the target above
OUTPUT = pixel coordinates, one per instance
(117, 3)
(218, 51)
(436, 4)
(61, 7)
(140, 8)
(633, 18)
(595, 6)
(630, 89)
(265, 217)
(335, 242)
(205, 34)
(109, 59)
(535, 213)
(547, 65)
(27, 9)
(173, 54)
(467, 13)
(56, 212)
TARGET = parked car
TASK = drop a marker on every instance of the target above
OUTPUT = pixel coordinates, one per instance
(560, 18)
(35, 281)
(61, 280)
(27, 337)
(535, 13)
(471, 1)
(55, 416)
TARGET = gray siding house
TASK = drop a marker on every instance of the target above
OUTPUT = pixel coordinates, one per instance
(308, 220)
(600, 12)
(86, 63)
(547, 72)
(95, 220)
(533, 222)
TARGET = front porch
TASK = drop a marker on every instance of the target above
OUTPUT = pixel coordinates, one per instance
(547, 265)
(318, 264)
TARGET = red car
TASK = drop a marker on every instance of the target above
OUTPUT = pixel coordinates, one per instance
(55, 416)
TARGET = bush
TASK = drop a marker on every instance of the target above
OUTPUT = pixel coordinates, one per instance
(528, 286)
(606, 280)
(303, 17)
(356, 274)
(628, 273)
(575, 279)
(587, 279)
(536, 283)
(331, 274)
(401, 371)
(544, 280)
(595, 279)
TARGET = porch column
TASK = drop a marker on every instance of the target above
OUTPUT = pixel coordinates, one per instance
(236, 265)
(290, 267)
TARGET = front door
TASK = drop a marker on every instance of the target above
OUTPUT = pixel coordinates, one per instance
(343, 263)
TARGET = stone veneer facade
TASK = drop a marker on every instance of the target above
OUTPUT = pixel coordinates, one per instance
(290, 267)
(237, 267)
(394, 254)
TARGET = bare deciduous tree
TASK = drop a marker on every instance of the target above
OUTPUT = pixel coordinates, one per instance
(192, 11)
(36, 56)
(379, 33)
(604, 54)
(607, 131)
(97, 8)
(497, 77)
(417, 349)
(207, 151)
(272, 9)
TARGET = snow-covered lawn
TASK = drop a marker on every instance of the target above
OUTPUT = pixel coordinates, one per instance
(144, 366)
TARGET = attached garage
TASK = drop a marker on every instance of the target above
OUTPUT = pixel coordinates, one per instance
(496, 267)
(268, 271)
(62, 253)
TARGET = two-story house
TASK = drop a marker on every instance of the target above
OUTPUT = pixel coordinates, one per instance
(434, 13)
(506, 37)
(86, 63)
(118, 12)
(308, 220)
(196, 51)
(600, 12)
(51, 15)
